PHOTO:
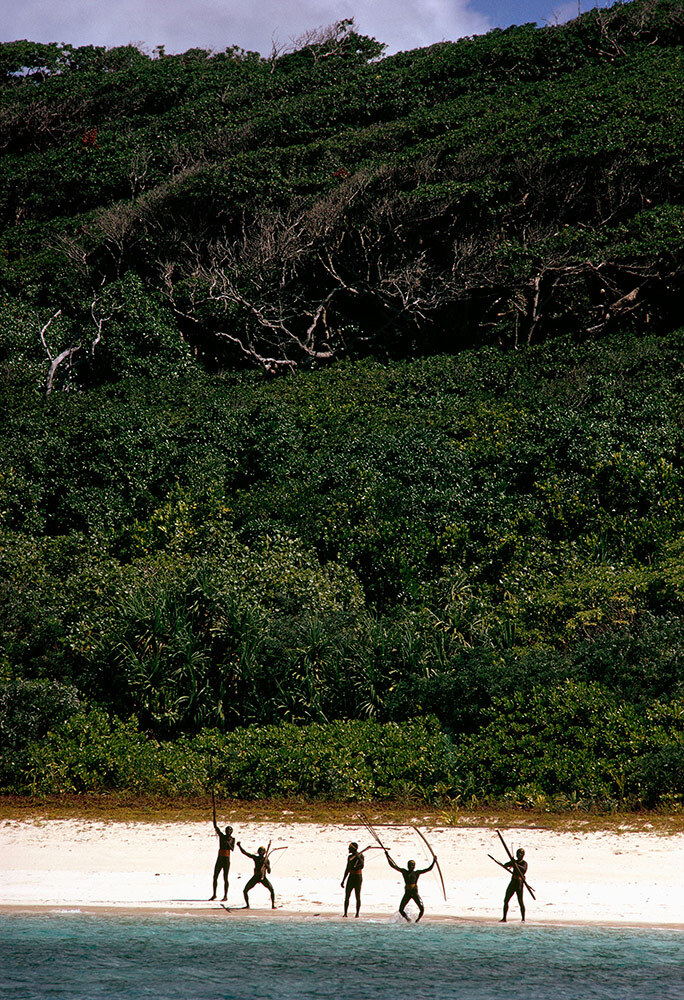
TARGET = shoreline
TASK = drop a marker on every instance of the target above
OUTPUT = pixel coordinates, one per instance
(581, 878)
(106, 910)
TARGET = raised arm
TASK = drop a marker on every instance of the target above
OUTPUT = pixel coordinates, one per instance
(391, 863)
(246, 853)
(429, 867)
(213, 812)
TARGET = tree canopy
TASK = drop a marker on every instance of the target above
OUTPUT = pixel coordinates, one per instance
(341, 399)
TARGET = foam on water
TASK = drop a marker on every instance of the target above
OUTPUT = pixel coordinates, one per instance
(86, 957)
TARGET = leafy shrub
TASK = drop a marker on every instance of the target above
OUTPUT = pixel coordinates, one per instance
(344, 760)
(571, 744)
(573, 738)
(29, 708)
(658, 776)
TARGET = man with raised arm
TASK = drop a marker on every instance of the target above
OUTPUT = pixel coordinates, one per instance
(262, 867)
(518, 869)
(411, 876)
(226, 845)
(353, 875)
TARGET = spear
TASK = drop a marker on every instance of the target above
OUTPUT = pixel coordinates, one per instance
(515, 864)
(441, 877)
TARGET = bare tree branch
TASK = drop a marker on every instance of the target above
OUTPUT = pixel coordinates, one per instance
(45, 330)
(67, 353)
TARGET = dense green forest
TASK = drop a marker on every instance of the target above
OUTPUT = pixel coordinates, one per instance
(342, 417)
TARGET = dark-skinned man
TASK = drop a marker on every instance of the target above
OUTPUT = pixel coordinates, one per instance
(518, 869)
(226, 845)
(262, 867)
(353, 876)
(411, 874)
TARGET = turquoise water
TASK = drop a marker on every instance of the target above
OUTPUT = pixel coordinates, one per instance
(84, 957)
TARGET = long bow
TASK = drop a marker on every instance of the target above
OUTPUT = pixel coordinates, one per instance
(441, 877)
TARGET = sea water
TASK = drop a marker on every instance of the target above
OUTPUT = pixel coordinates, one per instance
(85, 957)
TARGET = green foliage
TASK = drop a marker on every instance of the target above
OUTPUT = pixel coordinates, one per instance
(90, 753)
(568, 739)
(375, 540)
(213, 640)
(28, 709)
(410, 204)
(659, 776)
(571, 745)
(463, 495)
(576, 742)
(345, 760)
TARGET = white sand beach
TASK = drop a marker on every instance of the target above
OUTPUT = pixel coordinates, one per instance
(610, 878)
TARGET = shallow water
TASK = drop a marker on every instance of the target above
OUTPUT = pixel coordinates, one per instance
(87, 957)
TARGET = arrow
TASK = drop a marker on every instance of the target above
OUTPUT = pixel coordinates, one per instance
(370, 829)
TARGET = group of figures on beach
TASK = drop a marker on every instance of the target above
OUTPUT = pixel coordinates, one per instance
(352, 879)
(262, 865)
(353, 875)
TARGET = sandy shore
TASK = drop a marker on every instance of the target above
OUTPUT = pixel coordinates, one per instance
(622, 878)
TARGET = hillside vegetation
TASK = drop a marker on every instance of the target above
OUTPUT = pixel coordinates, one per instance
(342, 417)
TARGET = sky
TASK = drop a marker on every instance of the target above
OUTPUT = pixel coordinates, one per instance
(257, 25)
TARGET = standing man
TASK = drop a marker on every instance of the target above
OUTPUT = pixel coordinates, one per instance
(226, 845)
(353, 875)
(262, 867)
(518, 869)
(411, 876)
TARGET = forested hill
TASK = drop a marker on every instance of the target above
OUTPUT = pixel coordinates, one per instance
(342, 416)
(328, 202)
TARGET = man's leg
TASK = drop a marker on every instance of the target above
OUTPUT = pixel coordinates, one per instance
(507, 898)
(419, 903)
(250, 885)
(270, 889)
(226, 869)
(520, 902)
(347, 894)
(357, 890)
(217, 869)
(404, 900)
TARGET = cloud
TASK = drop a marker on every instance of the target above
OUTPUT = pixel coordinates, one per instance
(216, 24)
